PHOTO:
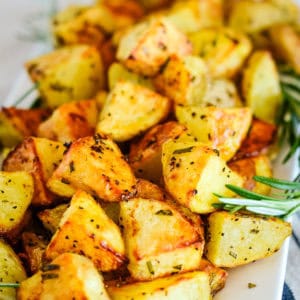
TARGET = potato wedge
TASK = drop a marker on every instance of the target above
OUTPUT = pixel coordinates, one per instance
(223, 49)
(17, 123)
(131, 109)
(39, 157)
(145, 154)
(147, 46)
(219, 128)
(96, 165)
(261, 86)
(70, 121)
(159, 239)
(236, 239)
(69, 276)
(199, 171)
(11, 270)
(67, 74)
(85, 229)
(194, 285)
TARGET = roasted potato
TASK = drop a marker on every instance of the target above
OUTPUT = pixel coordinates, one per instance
(223, 49)
(145, 154)
(17, 123)
(16, 194)
(159, 239)
(199, 171)
(237, 239)
(194, 285)
(131, 109)
(93, 160)
(39, 157)
(67, 74)
(261, 86)
(70, 121)
(154, 4)
(85, 229)
(147, 46)
(11, 270)
(69, 276)
(219, 128)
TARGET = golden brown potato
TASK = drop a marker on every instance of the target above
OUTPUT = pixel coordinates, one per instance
(193, 284)
(219, 128)
(33, 247)
(67, 74)
(131, 109)
(183, 79)
(148, 190)
(69, 276)
(70, 121)
(39, 157)
(253, 166)
(16, 194)
(147, 46)
(85, 229)
(11, 270)
(145, 154)
(154, 4)
(260, 136)
(96, 165)
(159, 239)
(199, 171)
(254, 237)
(51, 217)
(223, 49)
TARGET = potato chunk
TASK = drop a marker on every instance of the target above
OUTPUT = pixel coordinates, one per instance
(236, 239)
(69, 276)
(145, 155)
(15, 197)
(86, 229)
(159, 239)
(261, 86)
(70, 121)
(148, 45)
(66, 74)
(183, 79)
(11, 270)
(39, 157)
(96, 165)
(131, 109)
(192, 286)
(223, 49)
(220, 128)
(199, 172)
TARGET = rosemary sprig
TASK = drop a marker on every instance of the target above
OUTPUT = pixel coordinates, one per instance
(9, 285)
(280, 206)
(26, 94)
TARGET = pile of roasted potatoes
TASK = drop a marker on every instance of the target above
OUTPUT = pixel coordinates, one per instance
(147, 109)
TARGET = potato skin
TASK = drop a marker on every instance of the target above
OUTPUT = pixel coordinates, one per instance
(255, 237)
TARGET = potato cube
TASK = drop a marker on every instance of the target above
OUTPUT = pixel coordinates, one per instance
(223, 129)
(95, 165)
(131, 109)
(154, 4)
(236, 239)
(39, 157)
(70, 121)
(85, 229)
(145, 154)
(223, 49)
(67, 74)
(261, 86)
(11, 270)
(183, 79)
(159, 239)
(192, 286)
(69, 276)
(199, 171)
(147, 46)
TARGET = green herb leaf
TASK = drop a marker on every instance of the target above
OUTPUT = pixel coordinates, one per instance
(9, 285)
(278, 183)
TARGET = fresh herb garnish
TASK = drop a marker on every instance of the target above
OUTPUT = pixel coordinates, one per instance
(282, 206)
(26, 94)
(9, 285)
